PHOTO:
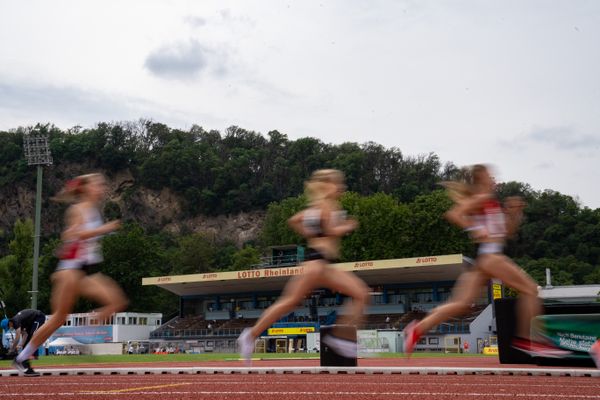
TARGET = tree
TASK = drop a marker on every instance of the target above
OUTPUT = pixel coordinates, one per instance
(383, 230)
(245, 258)
(275, 228)
(16, 267)
(131, 254)
(432, 234)
(195, 254)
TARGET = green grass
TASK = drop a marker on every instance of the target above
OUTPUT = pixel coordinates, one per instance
(199, 358)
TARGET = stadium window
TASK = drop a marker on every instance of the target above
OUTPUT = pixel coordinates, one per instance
(423, 340)
(434, 340)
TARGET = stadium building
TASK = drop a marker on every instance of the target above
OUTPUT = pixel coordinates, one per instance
(216, 306)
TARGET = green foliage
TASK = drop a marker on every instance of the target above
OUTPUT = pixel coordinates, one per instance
(131, 254)
(47, 265)
(394, 197)
(565, 271)
(195, 254)
(215, 174)
(13, 166)
(112, 210)
(383, 230)
(431, 233)
(245, 258)
(275, 227)
(224, 256)
(16, 267)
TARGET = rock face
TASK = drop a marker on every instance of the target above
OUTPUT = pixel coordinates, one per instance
(154, 209)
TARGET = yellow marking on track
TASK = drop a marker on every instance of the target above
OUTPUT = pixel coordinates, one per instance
(136, 388)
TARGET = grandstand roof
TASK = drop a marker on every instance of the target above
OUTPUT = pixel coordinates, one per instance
(578, 292)
(374, 272)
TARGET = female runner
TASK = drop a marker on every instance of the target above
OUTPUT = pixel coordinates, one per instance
(477, 211)
(77, 272)
(321, 223)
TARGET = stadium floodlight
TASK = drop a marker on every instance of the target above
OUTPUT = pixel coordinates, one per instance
(37, 152)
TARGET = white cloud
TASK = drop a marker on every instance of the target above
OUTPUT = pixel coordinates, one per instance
(457, 78)
(564, 137)
(183, 60)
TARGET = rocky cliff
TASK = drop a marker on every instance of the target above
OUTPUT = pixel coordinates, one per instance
(152, 209)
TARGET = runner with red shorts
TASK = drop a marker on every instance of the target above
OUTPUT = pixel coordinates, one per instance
(489, 223)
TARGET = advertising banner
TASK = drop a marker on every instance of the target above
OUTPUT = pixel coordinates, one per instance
(290, 331)
(575, 332)
(86, 334)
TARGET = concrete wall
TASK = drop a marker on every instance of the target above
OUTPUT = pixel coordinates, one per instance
(123, 333)
(393, 340)
(482, 327)
(102, 348)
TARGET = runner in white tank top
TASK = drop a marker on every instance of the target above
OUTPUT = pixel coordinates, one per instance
(477, 211)
(81, 250)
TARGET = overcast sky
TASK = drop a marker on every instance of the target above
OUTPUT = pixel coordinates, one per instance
(513, 83)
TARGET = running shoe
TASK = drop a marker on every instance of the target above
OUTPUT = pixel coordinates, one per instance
(246, 344)
(539, 349)
(31, 373)
(343, 347)
(595, 353)
(411, 337)
(21, 366)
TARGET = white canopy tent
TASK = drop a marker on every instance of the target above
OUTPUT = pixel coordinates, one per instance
(65, 341)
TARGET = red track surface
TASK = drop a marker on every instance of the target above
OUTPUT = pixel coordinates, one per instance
(305, 386)
(294, 387)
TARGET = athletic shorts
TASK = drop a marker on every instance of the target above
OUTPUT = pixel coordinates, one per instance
(89, 269)
(313, 254)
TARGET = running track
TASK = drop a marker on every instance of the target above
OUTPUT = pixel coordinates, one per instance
(306, 386)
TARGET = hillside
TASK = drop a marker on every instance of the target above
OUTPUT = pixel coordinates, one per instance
(197, 200)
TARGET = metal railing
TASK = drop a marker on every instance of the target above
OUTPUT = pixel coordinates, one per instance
(195, 333)
(277, 261)
(460, 326)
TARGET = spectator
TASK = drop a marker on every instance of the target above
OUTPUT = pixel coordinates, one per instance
(25, 323)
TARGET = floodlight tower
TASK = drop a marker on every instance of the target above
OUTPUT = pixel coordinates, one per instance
(37, 152)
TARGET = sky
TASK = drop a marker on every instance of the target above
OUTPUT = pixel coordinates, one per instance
(514, 83)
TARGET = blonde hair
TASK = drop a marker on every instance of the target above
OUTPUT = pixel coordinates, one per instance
(317, 186)
(467, 185)
(74, 188)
